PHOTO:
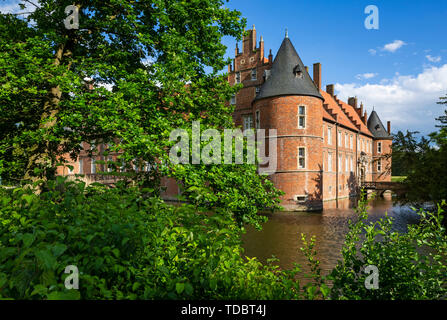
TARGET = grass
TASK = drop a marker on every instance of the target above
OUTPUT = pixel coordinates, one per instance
(398, 178)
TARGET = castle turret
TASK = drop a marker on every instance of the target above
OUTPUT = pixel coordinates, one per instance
(290, 102)
(382, 146)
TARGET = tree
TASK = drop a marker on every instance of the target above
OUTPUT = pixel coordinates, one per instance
(424, 163)
(154, 66)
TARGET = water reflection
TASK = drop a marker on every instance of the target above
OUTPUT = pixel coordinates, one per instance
(281, 235)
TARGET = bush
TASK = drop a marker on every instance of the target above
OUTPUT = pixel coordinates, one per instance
(410, 265)
(125, 245)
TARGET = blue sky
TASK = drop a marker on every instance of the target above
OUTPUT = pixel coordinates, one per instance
(400, 69)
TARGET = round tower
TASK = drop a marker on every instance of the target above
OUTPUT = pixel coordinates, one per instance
(291, 103)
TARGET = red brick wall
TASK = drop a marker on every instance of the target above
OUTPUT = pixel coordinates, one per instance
(281, 113)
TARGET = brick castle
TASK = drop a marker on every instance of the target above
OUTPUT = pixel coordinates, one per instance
(326, 148)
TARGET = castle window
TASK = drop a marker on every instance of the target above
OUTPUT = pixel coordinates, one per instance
(254, 75)
(350, 164)
(233, 99)
(330, 189)
(110, 169)
(238, 77)
(346, 164)
(247, 122)
(379, 166)
(93, 166)
(346, 140)
(329, 136)
(258, 119)
(81, 166)
(301, 199)
(340, 163)
(258, 89)
(379, 147)
(339, 138)
(301, 158)
(301, 117)
(329, 162)
(350, 142)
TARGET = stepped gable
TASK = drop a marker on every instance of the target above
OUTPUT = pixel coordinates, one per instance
(341, 117)
(288, 75)
(376, 127)
(355, 116)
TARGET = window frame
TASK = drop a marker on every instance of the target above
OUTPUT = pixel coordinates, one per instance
(302, 116)
(302, 157)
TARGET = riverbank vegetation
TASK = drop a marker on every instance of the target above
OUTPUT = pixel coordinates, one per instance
(128, 245)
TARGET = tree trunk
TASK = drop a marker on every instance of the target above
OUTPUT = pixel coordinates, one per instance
(43, 154)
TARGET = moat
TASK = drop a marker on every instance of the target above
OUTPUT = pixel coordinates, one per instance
(281, 235)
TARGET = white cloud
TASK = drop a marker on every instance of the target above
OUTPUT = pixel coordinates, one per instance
(372, 52)
(433, 59)
(394, 46)
(366, 76)
(408, 101)
(13, 7)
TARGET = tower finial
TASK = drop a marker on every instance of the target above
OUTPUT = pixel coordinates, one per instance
(254, 27)
(287, 33)
(262, 39)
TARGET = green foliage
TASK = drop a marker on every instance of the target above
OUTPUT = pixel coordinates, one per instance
(423, 162)
(411, 265)
(126, 245)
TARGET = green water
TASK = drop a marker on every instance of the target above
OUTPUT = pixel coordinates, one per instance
(281, 235)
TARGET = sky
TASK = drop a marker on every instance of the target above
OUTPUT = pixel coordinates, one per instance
(400, 69)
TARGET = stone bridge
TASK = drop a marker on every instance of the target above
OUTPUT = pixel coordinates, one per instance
(381, 186)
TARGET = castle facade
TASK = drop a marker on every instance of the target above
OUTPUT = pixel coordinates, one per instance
(326, 148)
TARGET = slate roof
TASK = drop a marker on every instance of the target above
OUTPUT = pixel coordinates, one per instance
(376, 127)
(288, 75)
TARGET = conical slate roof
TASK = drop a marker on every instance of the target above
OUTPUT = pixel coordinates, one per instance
(376, 127)
(288, 75)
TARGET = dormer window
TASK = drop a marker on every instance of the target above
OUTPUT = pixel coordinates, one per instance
(298, 72)
(266, 74)
(254, 75)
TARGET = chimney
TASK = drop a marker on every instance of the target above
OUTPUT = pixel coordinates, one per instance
(249, 41)
(307, 69)
(229, 68)
(261, 49)
(317, 75)
(352, 101)
(389, 126)
(236, 51)
(365, 117)
(330, 89)
(270, 57)
(360, 110)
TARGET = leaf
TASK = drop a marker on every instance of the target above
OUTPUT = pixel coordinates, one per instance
(189, 288)
(28, 239)
(64, 295)
(59, 249)
(179, 287)
(46, 259)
